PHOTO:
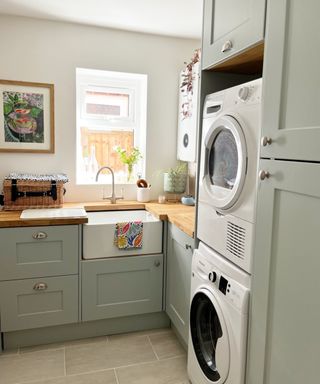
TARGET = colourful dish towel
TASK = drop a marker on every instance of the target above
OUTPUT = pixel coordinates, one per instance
(128, 235)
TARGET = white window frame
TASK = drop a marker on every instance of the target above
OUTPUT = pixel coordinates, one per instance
(131, 83)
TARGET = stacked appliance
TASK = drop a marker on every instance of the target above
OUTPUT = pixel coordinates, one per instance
(221, 266)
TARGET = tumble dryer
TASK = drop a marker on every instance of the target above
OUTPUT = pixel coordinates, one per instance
(218, 320)
(228, 171)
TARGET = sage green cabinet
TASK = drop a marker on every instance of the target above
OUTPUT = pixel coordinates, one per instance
(123, 286)
(291, 114)
(39, 251)
(284, 343)
(230, 26)
(39, 276)
(40, 302)
(179, 257)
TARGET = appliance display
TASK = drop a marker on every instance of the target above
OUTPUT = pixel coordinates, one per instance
(228, 171)
(218, 319)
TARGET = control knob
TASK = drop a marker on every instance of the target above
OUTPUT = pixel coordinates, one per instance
(244, 93)
(212, 276)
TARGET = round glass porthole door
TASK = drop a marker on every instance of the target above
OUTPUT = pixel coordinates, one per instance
(209, 337)
(225, 162)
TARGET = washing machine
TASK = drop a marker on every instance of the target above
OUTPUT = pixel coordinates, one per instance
(218, 319)
(228, 171)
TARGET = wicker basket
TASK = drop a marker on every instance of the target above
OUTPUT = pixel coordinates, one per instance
(43, 191)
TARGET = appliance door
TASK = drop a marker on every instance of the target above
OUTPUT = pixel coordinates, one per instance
(225, 162)
(209, 336)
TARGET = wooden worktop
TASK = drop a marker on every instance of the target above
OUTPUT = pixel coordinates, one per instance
(182, 216)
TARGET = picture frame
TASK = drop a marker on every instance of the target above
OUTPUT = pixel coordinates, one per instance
(26, 117)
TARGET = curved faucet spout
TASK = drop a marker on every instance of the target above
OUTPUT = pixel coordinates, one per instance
(113, 197)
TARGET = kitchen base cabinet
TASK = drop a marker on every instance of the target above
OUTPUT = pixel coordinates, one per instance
(41, 302)
(123, 286)
(179, 257)
(30, 252)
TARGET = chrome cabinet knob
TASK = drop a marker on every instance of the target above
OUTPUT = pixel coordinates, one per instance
(264, 175)
(266, 141)
(39, 235)
(40, 286)
(157, 263)
(226, 46)
(188, 246)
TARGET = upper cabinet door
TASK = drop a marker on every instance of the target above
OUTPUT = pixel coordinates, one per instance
(230, 26)
(291, 94)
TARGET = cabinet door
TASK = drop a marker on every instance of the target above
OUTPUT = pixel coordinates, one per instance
(121, 286)
(230, 26)
(34, 303)
(284, 345)
(39, 251)
(179, 258)
(291, 92)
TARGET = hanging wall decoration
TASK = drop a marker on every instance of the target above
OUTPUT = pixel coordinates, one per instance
(26, 117)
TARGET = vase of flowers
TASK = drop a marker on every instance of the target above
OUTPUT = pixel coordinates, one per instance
(129, 158)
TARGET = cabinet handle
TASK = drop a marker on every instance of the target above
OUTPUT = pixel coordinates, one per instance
(157, 263)
(40, 286)
(264, 175)
(266, 141)
(226, 46)
(188, 246)
(39, 235)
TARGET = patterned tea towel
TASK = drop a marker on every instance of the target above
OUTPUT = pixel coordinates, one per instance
(128, 235)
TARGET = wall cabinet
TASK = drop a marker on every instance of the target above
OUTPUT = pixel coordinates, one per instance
(285, 304)
(123, 286)
(39, 276)
(230, 27)
(179, 256)
(291, 117)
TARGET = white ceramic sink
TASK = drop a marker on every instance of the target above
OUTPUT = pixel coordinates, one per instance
(98, 234)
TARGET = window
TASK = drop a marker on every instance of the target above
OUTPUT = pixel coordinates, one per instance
(111, 112)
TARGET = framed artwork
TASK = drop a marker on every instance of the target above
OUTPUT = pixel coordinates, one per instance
(26, 117)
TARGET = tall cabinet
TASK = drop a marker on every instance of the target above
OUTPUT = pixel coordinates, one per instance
(284, 343)
(284, 337)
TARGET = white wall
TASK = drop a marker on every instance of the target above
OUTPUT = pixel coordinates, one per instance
(48, 52)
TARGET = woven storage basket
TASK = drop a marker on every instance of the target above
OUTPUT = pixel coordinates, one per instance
(33, 191)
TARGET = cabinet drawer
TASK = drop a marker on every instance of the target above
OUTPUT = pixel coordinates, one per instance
(39, 251)
(34, 303)
(121, 286)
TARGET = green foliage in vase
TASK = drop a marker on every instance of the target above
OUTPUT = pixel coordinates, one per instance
(129, 158)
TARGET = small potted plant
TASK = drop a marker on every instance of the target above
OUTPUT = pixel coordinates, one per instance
(175, 180)
(130, 158)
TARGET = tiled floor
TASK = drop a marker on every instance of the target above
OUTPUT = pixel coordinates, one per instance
(148, 357)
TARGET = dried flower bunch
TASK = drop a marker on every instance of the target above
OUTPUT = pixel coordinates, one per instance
(187, 75)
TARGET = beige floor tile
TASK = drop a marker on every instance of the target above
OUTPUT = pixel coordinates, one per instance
(115, 353)
(166, 345)
(43, 347)
(32, 366)
(102, 377)
(10, 352)
(138, 333)
(89, 340)
(170, 371)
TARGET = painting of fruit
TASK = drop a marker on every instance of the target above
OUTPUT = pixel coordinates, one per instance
(23, 117)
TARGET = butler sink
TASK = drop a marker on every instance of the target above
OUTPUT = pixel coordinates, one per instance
(98, 234)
